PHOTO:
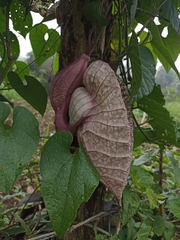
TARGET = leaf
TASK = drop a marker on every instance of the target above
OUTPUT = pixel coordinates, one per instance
(14, 44)
(67, 180)
(159, 226)
(145, 157)
(17, 144)
(134, 54)
(176, 168)
(144, 232)
(172, 14)
(2, 20)
(160, 115)
(173, 206)
(21, 68)
(160, 50)
(92, 13)
(131, 203)
(133, 10)
(157, 95)
(25, 3)
(163, 136)
(34, 93)
(56, 63)
(139, 138)
(171, 42)
(170, 230)
(43, 49)
(148, 73)
(4, 99)
(5, 3)
(21, 23)
(151, 197)
(141, 178)
(131, 231)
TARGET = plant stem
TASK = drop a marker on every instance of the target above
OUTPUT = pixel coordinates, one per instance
(8, 49)
(160, 177)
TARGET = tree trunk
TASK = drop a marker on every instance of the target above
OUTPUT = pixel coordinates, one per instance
(75, 30)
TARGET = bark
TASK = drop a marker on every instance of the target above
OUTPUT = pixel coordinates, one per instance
(75, 30)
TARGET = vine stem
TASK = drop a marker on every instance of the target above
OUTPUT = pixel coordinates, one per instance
(161, 177)
(8, 48)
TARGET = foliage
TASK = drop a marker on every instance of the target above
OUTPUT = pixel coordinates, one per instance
(150, 201)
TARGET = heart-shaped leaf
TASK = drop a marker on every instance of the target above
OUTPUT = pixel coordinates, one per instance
(92, 13)
(17, 144)
(43, 48)
(34, 93)
(70, 182)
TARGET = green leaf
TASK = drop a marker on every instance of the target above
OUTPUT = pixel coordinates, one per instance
(102, 21)
(131, 231)
(141, 178)
(43, 49)
(176, 168)
(139, 138)
(14, 44)
(21, 68)
(171, 42)
(2, 20)
(144, 232)
(160, 115)
(169, 231)
(160, 50)
(92, 13)
(148, 73)
(25, 3)
(22, 23)
(163, 136)
(173, 206)
(56, 63)
(133, 10)
(131, 203)
(5, 3)
(145, 157)
(159, 226)
(17, 144)
(151, 197)
(134, 54)
(67, 180)
(4, 99)
(171, 14)
(157, 95)
(34, 93)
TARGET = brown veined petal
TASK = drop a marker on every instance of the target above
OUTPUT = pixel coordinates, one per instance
(106, 133)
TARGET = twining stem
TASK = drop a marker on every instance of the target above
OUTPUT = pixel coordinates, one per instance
(9, 56)
(161, 177)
